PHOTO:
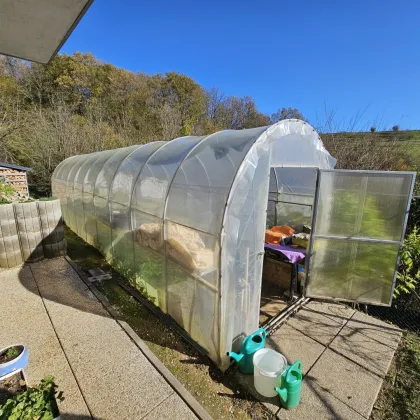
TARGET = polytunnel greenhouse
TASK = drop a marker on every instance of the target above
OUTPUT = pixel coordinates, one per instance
(190, 223)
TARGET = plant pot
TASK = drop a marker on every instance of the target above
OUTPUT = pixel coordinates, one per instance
(13, 385)
(16, 364)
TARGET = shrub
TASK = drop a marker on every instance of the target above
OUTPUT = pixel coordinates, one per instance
(409, 270)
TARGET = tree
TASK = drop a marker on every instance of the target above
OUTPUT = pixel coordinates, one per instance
(287, 113)
(183, 94)
(395, 128)
(372, 129)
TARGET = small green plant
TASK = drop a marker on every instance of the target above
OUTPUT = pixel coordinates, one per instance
(38, 402)
(12, 353)
(409, 272)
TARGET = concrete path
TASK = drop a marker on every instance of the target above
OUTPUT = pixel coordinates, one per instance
(71, 336)
(345, 356)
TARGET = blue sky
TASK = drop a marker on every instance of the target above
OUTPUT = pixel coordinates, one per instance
(357, 58)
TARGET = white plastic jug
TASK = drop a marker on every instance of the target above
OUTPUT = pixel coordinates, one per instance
(268, 368)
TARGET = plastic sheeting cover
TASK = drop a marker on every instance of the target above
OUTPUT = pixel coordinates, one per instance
(184, 220)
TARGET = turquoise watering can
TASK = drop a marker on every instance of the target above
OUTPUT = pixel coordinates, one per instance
(290, 386)
(249, 346)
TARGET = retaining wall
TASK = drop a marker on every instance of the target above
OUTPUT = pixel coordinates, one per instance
(30, 232)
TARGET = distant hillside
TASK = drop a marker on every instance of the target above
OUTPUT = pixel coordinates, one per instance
(404, 144)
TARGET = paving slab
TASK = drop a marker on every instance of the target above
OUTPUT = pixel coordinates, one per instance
(318, 404)
(364, 349)
(62, 285)
(331, 309)
(381, 331)
(29, 324)
(127, 394)
(295, 345)
(321, 321)
(171, 408)
(353, 385)
(87, 358)
(71, 336)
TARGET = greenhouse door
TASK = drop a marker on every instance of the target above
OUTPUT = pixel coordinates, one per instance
(358, 228)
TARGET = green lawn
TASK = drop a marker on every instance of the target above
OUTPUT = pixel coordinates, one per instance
(399, 398)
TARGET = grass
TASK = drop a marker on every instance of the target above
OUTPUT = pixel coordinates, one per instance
(221, 395)
(400, 395)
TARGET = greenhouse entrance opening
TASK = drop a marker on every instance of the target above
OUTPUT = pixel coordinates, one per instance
(288, 226)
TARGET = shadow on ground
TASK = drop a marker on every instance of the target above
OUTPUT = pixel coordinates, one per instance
(222, 395)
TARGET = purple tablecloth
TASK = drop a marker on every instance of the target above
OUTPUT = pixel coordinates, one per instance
(294, 255)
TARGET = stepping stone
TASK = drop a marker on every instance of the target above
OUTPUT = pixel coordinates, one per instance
(351, 384)
(369, 342)
(321, 321)
(316, 404)
(295, 346)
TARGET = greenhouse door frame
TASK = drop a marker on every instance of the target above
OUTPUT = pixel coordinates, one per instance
(311, 256)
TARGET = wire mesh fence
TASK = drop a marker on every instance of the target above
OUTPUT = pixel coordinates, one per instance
(404, 312)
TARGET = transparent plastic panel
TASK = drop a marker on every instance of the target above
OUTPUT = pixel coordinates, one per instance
(298, 144)
(273, 182)
(122, 240)
(62, 170)
(72, 161)
(271, 214)
(96, 167)
(120, 199)
(89, 229)
(72, 201)
(353, 270)
(296, 181)
(243, 250)
(296, 194)
(364, 205)
(103, 239)
(196, 251)
(149, 257)
(128, 171)
(194, 307)
(79, 177)
(78, 207)
(293, 214)
(192, 261)
(109, 169)
(59, 183)
(152, 186)
(199, 191)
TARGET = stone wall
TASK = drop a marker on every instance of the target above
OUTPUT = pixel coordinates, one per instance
(30, 232)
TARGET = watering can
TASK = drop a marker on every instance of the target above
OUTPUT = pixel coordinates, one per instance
(290, 386)
(249, 346)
